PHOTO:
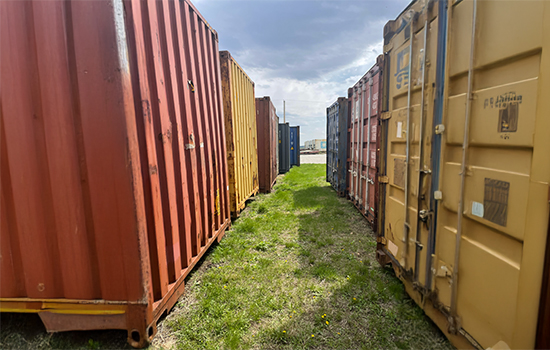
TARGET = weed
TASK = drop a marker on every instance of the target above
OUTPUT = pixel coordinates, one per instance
(262, 208)
(262, 246)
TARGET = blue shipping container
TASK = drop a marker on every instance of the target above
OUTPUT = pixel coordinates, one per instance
(284, 148)
(337, 145)
(294, 146)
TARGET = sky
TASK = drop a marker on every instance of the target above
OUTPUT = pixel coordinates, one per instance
(306, 52)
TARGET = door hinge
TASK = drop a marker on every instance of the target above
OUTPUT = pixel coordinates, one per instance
(383, 179)
(385, 115)
(382, 239)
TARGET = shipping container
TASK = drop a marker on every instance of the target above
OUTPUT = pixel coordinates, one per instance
(337, 150)
(365, 141)
(284, 148)
(113, 160)
(267, 123)
(465, 172)
(294, 146)
(349, 175)
(277, 149)
(239, 108)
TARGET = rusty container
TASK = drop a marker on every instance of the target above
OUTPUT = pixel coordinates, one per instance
(113, 160)
(267, 123)
(337, 145)
(364, 142)
(240, 132)
(465, 167)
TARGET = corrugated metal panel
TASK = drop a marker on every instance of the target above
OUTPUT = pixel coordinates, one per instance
(349, 174)
(267, 123)
(240, 130)
(364, 143)
(106, 202)
(277, 149)
(284, 148)
(337, 150)
(478, 252)
(294, 145)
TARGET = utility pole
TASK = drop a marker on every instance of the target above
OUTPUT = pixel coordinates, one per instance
(284, 112)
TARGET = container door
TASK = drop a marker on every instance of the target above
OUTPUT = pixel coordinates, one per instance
(363, 146)
(332, 152)
(335, 145)
(276, 145)
(292, 145)
(329, 155)
(372, 180)
(351, 154)
(280, 150)
(408, 130)
(355, 171)
(342, 120)
(502, 140)
(368, 147)
(274, 149)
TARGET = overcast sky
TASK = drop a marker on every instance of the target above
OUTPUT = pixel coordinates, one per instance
(306, 52)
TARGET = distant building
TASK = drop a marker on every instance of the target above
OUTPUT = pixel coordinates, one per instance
(316, 145)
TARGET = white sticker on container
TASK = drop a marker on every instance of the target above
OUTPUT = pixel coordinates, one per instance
(399, 129)
(477, 209)
(393, 248)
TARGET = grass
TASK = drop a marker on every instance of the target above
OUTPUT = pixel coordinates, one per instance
(296, 271)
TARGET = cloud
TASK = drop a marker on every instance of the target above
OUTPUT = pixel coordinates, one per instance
(306, 100)
(305, 52)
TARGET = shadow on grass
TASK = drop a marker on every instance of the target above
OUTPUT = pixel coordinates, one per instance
(356, 303)
(331, 276)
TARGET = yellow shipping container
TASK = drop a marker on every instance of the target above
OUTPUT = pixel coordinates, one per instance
(240, 130)
(466, 150)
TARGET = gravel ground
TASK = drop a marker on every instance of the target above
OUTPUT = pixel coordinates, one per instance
(313, 158)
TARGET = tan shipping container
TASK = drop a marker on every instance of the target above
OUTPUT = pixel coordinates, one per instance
(465, 167)
(107, 200)
(240, 130)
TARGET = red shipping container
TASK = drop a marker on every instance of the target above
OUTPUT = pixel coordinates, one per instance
(113, 159)
(267, 123)
(364, 142)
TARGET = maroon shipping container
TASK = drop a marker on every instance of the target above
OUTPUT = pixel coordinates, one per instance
(267, 123)
(349, 155)
(364, 142)
(113, 160)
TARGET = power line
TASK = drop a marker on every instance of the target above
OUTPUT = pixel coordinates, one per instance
(280, 99)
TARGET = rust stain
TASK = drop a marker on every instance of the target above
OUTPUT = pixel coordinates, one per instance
(108, 140)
